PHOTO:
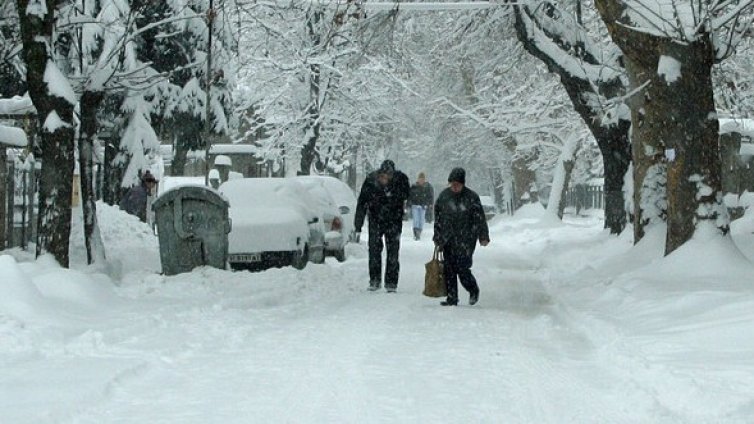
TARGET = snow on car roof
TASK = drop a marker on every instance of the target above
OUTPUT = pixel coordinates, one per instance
(340, 191)
(256, 192)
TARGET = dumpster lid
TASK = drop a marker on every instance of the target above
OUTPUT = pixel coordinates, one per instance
(204, 193)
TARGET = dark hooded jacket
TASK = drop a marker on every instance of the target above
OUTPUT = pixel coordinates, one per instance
(460, 221)
(135, 201)
(421, 195)
(383, 205)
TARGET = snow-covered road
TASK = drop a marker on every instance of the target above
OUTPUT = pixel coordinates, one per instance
(554, 338)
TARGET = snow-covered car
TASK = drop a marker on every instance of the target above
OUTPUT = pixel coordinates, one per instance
(489, 206)
(344, 198)
(336, 236)
(275, 223)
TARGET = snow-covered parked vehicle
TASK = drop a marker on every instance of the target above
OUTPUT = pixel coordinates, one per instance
(337, 234)
(344, 198)
(275, 223)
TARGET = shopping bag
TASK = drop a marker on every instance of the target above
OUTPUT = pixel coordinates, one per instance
(434, 280)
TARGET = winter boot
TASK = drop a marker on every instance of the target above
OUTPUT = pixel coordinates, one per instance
(449, 302)
(374, 286)
(416, 234)
(474, 298)
(391, 289)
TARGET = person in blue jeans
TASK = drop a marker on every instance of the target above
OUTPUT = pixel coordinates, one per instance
(420, 199)
(459, 224)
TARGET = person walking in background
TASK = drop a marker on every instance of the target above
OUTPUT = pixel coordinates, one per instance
(459, 223)
(420, 200)
(135, 200)
(382, 198)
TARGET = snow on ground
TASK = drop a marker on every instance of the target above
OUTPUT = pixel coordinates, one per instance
(573, 325)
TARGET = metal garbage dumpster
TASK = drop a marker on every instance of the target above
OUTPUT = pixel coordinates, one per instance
(192, 226)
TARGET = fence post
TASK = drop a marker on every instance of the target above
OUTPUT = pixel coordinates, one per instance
(3, 195)
(24, 188)
(10, 201)
(33, 199)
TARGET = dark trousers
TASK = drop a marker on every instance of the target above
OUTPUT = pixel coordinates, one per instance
(458, 266)
(392, 235)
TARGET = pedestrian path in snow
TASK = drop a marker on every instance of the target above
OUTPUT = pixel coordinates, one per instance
(314, 346)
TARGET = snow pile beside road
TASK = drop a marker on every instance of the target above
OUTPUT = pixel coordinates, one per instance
(130, 245)
(43, 293)
(20, 299)
(530, 211)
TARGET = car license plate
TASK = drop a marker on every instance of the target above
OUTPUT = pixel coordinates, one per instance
(246, 257)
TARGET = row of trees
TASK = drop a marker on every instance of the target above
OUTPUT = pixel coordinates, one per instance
(132, 67)
(528, 92)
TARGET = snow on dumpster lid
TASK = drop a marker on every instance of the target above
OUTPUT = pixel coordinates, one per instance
(170, 182)
(738, 125)
(14, 137)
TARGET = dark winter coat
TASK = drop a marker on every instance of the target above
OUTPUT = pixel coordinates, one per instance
(135, 202)
(460, 221)
(383, 205)
(421, 195)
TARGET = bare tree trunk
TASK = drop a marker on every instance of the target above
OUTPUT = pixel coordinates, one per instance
(3, 187)
(178, 164)
(611, 136)
(112, 172)
(562, 177)
(312, 130)
(90, 102)
(309, 151)
(616, 158)
(55, 114)
(676, 126)
(524, 179)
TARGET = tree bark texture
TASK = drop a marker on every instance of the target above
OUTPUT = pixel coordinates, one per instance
(612, 137)
(675, 124)
(3, 194)
(89, 104)
(312, 130)
(180, 155)
(112, 172)
(56, 179)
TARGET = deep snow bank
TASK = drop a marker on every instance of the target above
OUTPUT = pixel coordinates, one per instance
(130, 245)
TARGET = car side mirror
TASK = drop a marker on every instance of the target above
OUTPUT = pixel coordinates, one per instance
(345, 210)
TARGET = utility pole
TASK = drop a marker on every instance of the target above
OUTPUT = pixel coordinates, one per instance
(208, 107)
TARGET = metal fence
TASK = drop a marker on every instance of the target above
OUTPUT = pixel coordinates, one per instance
(583, 196)
(21, 202)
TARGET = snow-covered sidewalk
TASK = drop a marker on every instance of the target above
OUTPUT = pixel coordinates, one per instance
(572, 326)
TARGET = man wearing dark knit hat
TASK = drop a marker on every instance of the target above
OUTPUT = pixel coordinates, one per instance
(459, 223)
(382, 198)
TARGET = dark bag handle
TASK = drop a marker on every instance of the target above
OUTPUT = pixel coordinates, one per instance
(437, 255)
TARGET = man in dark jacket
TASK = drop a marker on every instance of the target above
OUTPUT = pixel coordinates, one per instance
(459, 223)
(382, 198)
(135, 200)
(420, 200)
